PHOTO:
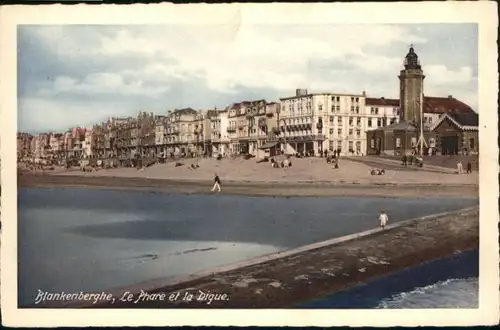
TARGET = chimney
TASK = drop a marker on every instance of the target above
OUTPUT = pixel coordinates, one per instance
(300, 92)
(382, 98)
(363, 93)
(450, 96)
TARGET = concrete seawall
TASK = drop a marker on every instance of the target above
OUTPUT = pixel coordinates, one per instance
(285, 279)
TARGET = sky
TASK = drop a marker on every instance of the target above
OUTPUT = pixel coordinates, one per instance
(79, 75)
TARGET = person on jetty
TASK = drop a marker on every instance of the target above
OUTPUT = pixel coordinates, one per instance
(216, 183)
(383, 219)
(469, 168)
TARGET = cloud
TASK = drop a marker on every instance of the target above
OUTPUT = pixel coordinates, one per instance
(84, 68)
(440, 74)
(53, 115)
(102, 83)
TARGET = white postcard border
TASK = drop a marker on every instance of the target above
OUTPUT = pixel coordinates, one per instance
(483, 13)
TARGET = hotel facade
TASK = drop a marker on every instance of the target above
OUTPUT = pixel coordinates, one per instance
(315, 123)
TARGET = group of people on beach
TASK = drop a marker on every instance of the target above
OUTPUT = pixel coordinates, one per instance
(413, 158)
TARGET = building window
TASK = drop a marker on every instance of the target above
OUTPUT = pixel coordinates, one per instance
(331, 131)
(350, 132)
(339, 121)
(357, 109)
(379, 122)
(430, 120)
(339, 132)
(413, 142)
(393, 120)
(398, 143)
(358, 133)
(369, 123)
(358, 121)
(330, 145)
(320, 107)
(372, 143)
(338, 108)
(333, 108)
(331, 120)
(432, 143)
(351, 120)
(351, 143)
(472, 145)
(338, 98)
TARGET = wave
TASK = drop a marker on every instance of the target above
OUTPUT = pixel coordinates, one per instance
(451, 293)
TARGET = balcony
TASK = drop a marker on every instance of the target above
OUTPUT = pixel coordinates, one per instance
(319, 137)
(231, 129)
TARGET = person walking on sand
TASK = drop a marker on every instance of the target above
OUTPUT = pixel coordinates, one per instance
(216, 183)
(383, 219)
(469, 168)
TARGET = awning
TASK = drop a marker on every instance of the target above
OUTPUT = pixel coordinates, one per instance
(269, 145)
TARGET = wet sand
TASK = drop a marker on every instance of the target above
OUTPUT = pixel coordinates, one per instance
(253, 188)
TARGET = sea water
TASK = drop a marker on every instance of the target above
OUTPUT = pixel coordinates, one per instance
(450, 282)
(74, 239)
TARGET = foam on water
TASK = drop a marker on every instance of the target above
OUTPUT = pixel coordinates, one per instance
(451, 293)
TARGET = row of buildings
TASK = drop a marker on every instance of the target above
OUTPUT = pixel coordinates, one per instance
(308, 123)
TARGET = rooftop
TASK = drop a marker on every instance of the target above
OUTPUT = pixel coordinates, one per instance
(185, 111)
(381, 102)
(320, 94)
(465, 119)
(402, 125)
(432, 104)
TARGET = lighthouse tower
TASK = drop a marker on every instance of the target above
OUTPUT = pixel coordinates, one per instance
(411, 82)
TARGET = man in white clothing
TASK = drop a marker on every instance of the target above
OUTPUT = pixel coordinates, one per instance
(383, 219)
(460, 167)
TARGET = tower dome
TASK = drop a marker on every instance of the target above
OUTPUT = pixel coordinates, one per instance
(411, 60)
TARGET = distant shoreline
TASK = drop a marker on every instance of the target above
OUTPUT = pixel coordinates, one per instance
(252, 188)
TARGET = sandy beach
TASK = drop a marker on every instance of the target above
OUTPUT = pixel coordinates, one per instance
(307, 176)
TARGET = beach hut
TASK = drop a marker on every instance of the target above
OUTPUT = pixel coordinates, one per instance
(269, 149)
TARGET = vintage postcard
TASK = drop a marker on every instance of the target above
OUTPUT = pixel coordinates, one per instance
(249, 164)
